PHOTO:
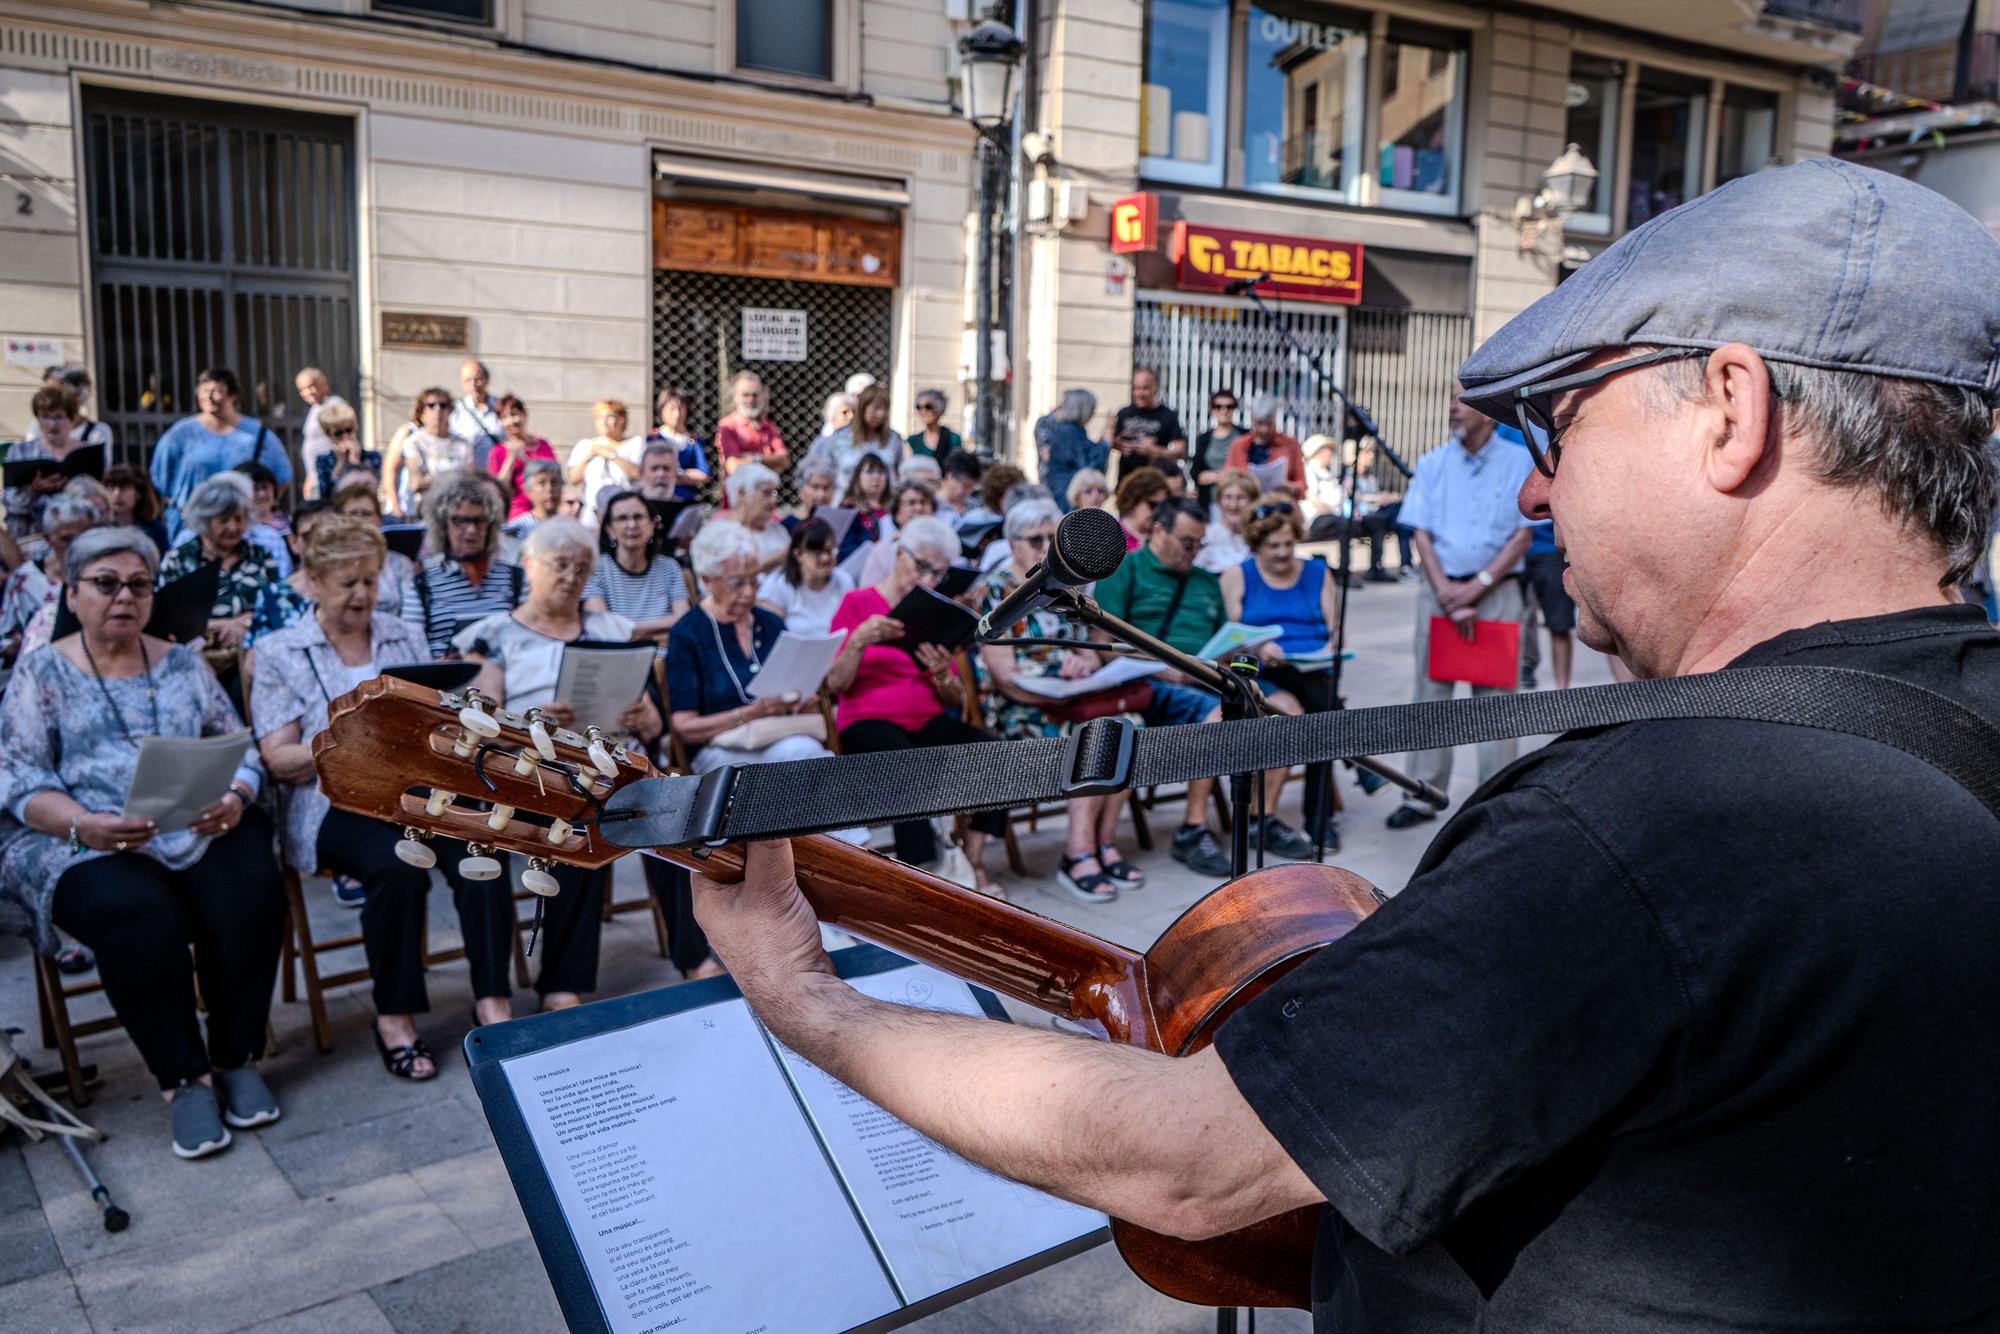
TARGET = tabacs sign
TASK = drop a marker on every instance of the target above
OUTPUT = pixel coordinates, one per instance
(1208, 259)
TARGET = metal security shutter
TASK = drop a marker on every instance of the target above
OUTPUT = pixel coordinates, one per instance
(219, 235)
(698, 345)
(1397, 364)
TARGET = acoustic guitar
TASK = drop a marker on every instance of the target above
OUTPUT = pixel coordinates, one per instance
(405, 753)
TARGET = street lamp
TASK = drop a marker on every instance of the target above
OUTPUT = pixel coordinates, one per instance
(989, 55)
(1566, 187)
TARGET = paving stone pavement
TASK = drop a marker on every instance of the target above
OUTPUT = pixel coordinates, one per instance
(378, 1205)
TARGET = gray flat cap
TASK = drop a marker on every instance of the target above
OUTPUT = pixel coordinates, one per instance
(1822, 263)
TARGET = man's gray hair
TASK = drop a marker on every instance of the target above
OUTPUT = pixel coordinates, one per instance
(536, 467)
(65, 509)
(1078, 405)
(223, 495)
(556, 535)
(95, 545)
(1922, 448)
(931, 538)
(1265, 407)
(461, 486)
(652, 447)
(741, 484)
(721, 544)
(1030, 514)
(820, 466)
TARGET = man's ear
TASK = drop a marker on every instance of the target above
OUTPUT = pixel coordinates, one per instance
(1737, 403)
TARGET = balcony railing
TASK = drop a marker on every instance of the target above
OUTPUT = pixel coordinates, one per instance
(1843, 15)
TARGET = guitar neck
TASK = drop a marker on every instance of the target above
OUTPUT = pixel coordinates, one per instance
(986, 941)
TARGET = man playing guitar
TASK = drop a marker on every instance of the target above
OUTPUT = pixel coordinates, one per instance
(1678, 1025)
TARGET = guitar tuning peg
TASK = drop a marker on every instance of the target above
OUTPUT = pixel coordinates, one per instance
(538, 732)
(411, 851)
(438, 802)
(558, 832)
(498, 818)
(525, 763)
(479, 866)
(600, 755)
(537, 879)
(475, 719)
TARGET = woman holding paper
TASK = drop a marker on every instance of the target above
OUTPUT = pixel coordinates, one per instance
(1092, 870)
(74, 719)
(634, 578)
(1275, 587)
(891, 699)
(300, 671)
(522, 653)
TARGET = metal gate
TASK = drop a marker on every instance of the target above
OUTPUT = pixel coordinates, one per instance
(219, 235)
(698, 345)
(1396, 364)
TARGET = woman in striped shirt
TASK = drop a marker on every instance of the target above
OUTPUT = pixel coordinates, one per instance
(638, 581)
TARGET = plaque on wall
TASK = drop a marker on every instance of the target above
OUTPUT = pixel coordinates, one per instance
(767, 243)
(427, 333)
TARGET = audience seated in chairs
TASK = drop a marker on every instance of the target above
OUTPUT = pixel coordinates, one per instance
(893, 700)
(522, 652)
(1275, 587)
(138, 897)
(806, 590)
(465, 580)
(634, 575)
(1091, 870)
(300, 671)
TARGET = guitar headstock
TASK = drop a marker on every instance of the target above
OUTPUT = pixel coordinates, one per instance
(404, 753)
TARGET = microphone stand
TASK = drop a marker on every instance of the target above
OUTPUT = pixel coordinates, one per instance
(1344, 562)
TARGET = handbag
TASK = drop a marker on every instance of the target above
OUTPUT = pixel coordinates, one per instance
(1131, 697)
(761, 732)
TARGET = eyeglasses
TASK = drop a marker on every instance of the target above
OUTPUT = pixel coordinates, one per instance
(467, 521)
(108, 585)
(1222, 404)
(438, 403)
(925, 569)
(568, 566)
(1534, 404)
(340, 432)
(1036, 540)
(738, 581)
(1269, 508)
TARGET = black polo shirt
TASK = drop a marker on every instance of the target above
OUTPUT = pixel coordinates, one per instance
(1678, 1026)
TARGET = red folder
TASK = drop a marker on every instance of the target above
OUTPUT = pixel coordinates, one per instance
(1493, 658)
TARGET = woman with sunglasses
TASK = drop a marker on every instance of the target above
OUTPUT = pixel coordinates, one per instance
(893, 698)
(343, 454)
(422, 450)
(1211, 447)
(1223, 547)
(155, 906)
(1274, 587)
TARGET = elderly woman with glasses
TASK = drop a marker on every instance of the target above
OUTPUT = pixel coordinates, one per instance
(1272, 586)
(217, 513)
(893, 698)
(1092, 870)
(521, 654)
(423, 450)
(300, 672)
(1062, 439)
(1223, 547)
(634, 578)
(465, 580)
(752, 493)
(71, 726)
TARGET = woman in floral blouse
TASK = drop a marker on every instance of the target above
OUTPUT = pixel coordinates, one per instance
(217, 514)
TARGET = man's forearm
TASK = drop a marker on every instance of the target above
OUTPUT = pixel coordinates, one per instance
(1163, 1142)
(1510, 556)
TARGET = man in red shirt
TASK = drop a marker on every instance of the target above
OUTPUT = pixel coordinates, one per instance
(747, 435)
(1264, 444)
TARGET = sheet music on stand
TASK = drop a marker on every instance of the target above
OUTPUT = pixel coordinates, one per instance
(679, 1168)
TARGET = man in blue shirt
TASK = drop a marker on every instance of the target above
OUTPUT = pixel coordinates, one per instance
(1463, 505)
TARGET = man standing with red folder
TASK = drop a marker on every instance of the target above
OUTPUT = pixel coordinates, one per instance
(1463, 503)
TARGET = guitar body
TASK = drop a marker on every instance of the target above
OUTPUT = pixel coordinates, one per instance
(399, 752)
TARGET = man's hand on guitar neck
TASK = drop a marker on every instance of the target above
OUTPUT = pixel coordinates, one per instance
(1166, 1143)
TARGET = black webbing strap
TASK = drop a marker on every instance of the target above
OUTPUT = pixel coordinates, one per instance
(809, 796)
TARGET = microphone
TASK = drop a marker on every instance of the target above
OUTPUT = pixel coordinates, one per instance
(1242, 285)
(1088, 545)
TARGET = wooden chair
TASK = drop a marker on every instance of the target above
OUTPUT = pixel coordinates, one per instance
(59, 1031)
(303, 949)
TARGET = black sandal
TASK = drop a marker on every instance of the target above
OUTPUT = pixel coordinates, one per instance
(402, 1061)
(1099, 888)
(1125, 873)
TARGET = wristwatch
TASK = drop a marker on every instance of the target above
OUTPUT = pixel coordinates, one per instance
(1485, 579)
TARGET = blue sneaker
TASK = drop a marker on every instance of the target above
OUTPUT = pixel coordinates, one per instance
(348, 893)
(197, 1118)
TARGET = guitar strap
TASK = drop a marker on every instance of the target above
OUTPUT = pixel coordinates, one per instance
(810, 796)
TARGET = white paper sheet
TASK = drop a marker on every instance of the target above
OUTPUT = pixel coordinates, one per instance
(601, 683)
(696, 1193)
(1235, 635)
(857, 561)
(937, 1220)
(840, 518)
(1269, 475)
(798, 663)
(178, 777)
(1114, 673)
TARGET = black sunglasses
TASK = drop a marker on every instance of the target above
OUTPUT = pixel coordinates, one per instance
(1534, 404)
(1268, 508)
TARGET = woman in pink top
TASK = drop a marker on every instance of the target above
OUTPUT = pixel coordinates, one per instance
(891, 699)
(508, 460)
